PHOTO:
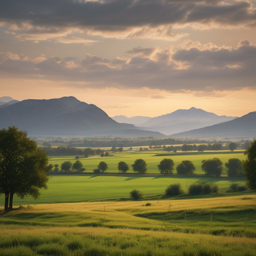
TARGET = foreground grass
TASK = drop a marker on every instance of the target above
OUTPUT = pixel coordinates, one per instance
(150, 157)
(91, 188)
(132, 228)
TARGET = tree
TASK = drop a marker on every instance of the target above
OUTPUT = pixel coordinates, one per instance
(23, 167)
(249, 166)
(212, 167)
(166, 166)
(103, 166)
(139, 166)
(66, 166)
(77, 165)
(234, 166)
(136, 194)
(56, 168)
(120, 149)
(123, 167)
(106, 154)
(186, 168)
(232, 146)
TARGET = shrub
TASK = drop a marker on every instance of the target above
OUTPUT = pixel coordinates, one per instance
(136, 194)
(148, 204)
(236, 188)
(173, 190)
(96, 170)
(202, 188)
(242, 188)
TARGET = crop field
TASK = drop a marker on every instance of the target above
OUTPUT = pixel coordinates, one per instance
(219, 226)
(150, 157)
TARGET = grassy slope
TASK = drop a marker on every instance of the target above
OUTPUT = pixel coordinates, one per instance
(131, 228)
(149, 156)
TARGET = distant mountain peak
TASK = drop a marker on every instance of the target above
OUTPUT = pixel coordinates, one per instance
(6, 99)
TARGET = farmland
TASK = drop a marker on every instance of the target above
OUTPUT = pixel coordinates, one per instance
(150, 157)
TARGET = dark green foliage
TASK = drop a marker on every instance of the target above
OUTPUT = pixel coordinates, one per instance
(56, 168)
(173, 190)
(237, 188)
(66, 166)
(77, 157)
(96, 171)
(234, 166)
(232, 146)
(166, 166)
(249, 166)
(49, 168)
(212, 167)
(148, 204)
(123, 167)
(202, 188)
(139, 166)
(185, 168)
(23, 167)
(136, 194)
(77, 166)
(103, 166)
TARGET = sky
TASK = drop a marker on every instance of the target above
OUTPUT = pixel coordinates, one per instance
(131, 57)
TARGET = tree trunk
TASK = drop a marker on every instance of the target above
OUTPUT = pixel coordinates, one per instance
(11, 200)
(6, 201)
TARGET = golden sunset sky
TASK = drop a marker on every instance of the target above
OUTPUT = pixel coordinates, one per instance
(131, 57)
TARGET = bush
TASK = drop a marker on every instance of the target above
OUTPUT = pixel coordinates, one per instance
(173, 190)
(136, 194)
(96, 170)
(236, 188)
(202, 188)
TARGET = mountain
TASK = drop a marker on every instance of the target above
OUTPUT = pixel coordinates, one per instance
(242, 127)
(183, 120)
(66, 116)
(136, 120)
(6, 101)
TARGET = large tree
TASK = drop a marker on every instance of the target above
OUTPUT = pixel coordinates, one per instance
(139, 166)
(23, 167)
(186, 168)
(212, 167)
(166, 166)
(249, 166)
(234, 168)
(66, 166)
(123, 167)
(232, 146)
(103, 166)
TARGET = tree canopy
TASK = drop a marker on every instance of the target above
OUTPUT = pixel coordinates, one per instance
(23, 167)
(186, 168)
(103, 166)
(139, 166)
(166, 166)
(212, 167)
(234, 166)
(77, 166)
(123, 167)
(249, 166)
(232, 146)
(66, 166)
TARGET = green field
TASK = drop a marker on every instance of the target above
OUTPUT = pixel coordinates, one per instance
(150, 157)
(102, 188)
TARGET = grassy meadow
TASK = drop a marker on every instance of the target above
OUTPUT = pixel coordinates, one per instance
(132, 228)
(150, 157)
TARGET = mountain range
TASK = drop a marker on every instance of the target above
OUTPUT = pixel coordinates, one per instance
(7, 101)
(66, 116)
(242, 127)
(178, 121)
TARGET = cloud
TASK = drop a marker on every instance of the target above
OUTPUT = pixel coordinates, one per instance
(199, 69)
(150, 19)
(75, 40)
(158, 97)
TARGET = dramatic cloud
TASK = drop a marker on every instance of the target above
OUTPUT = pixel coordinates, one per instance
(198, 69)
(153, 19)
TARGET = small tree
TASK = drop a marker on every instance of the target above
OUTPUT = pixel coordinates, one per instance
(139, 166)
(173, 190)
(66, 166)
(136, 194)
(56, 168)
(49, 168)
(232, 146)
(166, 166)
(103, 166)
(77, 165)
(106, 154)
(234, 166)
(212, 167)
(120, 149)
(249, 166)
(186, 168)
(123, 167)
